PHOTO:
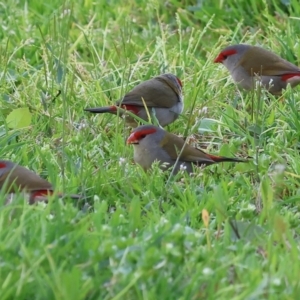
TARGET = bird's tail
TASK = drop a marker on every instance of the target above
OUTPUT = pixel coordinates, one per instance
(218, 159)
(100, 110)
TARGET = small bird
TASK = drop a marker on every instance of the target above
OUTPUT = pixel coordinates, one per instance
(246, 62)
(162, 93)
(152, 143)
(15, 178)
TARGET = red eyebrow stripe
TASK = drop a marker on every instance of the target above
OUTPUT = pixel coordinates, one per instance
(288, 76)
(143, 132)
(136, 136)
(229, 52)
(222, 55)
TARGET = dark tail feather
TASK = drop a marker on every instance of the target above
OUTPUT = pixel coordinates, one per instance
(100, 110)
(74, 196)
(71, 196)
(228, 159)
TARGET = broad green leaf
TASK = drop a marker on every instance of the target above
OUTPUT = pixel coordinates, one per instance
(19, 118)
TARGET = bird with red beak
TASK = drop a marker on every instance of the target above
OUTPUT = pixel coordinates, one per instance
(14, 178)
(152, 143)
(161, 95)
(248, 63)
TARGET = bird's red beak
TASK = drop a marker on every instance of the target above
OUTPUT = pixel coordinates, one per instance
(132, 139)
(219, 59)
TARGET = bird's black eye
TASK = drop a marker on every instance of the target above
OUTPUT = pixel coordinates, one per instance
(142, 136)
(225, 56)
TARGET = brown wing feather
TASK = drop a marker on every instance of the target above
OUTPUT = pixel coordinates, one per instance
(266, 63)
(173, 144)
(155, 92)
(24, 179)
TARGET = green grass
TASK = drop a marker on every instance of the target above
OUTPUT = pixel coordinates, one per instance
(134, 236)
